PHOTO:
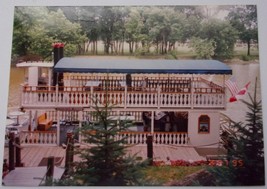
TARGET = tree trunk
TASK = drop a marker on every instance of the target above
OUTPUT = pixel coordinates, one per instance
(87, 46)
(122, 45)
(162, 47)
(130, 47)
(106, 48)
(136, 46)
(165, 47)
(96, 47)
(248, 43)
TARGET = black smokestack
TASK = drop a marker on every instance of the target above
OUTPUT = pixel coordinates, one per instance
(58, 49)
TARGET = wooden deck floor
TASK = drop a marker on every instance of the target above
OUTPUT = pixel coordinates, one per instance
(31, 156)
(29, 176)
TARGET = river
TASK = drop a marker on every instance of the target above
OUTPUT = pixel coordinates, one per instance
(236, 110)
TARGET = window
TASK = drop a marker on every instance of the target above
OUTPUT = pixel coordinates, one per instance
(204, 124)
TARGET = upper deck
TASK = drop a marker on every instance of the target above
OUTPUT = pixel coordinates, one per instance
(169, 91)
(80, 82)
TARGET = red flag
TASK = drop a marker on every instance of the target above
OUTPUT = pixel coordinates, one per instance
(240, 94)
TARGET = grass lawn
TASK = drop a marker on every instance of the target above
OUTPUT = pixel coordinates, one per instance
(163, 174)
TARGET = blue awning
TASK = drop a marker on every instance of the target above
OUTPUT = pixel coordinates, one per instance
(101, 65)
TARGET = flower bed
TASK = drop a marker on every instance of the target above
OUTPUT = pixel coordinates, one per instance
(180, 163)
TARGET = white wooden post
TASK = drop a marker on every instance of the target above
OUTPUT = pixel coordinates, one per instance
(125, 96)
(152, 121)
(49, 79)
(80, 118)
(56, 104)
(58, 127)
(192, 93)
(159, 97)
(91, 96)
(22, 96)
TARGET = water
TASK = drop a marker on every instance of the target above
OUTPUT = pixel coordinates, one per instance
(236, 110)
(17, 77)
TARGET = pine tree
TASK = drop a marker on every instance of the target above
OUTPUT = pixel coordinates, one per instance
(105, 162)
(245, 153)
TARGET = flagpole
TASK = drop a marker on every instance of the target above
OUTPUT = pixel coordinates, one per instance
(255, 92)
(224, 88)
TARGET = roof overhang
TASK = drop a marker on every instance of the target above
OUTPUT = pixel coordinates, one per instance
(93, 65)
(35, 64)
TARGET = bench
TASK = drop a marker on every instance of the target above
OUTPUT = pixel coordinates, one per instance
(44, 123)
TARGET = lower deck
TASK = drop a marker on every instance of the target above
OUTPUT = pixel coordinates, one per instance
(34, 156)
(178, 128)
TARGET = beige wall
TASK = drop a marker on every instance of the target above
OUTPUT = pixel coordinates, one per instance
(197, 139)
(33, 76)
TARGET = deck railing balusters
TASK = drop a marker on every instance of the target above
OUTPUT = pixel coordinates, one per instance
(174, 94)
(38, 138)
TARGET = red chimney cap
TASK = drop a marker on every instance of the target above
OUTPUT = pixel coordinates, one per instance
(58, 45)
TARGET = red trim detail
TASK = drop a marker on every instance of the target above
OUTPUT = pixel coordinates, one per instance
(58, 45)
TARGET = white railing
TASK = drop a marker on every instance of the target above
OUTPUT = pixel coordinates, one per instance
(175, 138)
(139, 138)
(132, 138)
(209, 100)
(175, 100)
(142, 99)
(38, 137)
(79, 97)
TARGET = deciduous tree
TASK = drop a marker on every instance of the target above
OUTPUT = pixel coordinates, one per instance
(244, 19)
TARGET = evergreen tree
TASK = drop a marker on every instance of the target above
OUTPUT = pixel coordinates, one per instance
(105, 162)
(245, 153)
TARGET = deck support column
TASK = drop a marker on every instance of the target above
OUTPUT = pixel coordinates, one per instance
(149, 142)
(69, 151)
(11, 152)
(18, 152)
(50, 169)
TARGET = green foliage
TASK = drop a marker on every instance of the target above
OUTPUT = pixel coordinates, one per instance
(222, 34)
(171, 55)
(245, 58)
(141, 51)
(106, 163)
(157, 28)
(37, 28)
(204, 48)
(246, 146)
(244, 19)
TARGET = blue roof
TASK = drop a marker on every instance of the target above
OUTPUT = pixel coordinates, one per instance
(99, 65)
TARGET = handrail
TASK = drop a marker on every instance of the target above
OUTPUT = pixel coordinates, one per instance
(124, 97)
(70, 89)
(147, 132)
(35, 132)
